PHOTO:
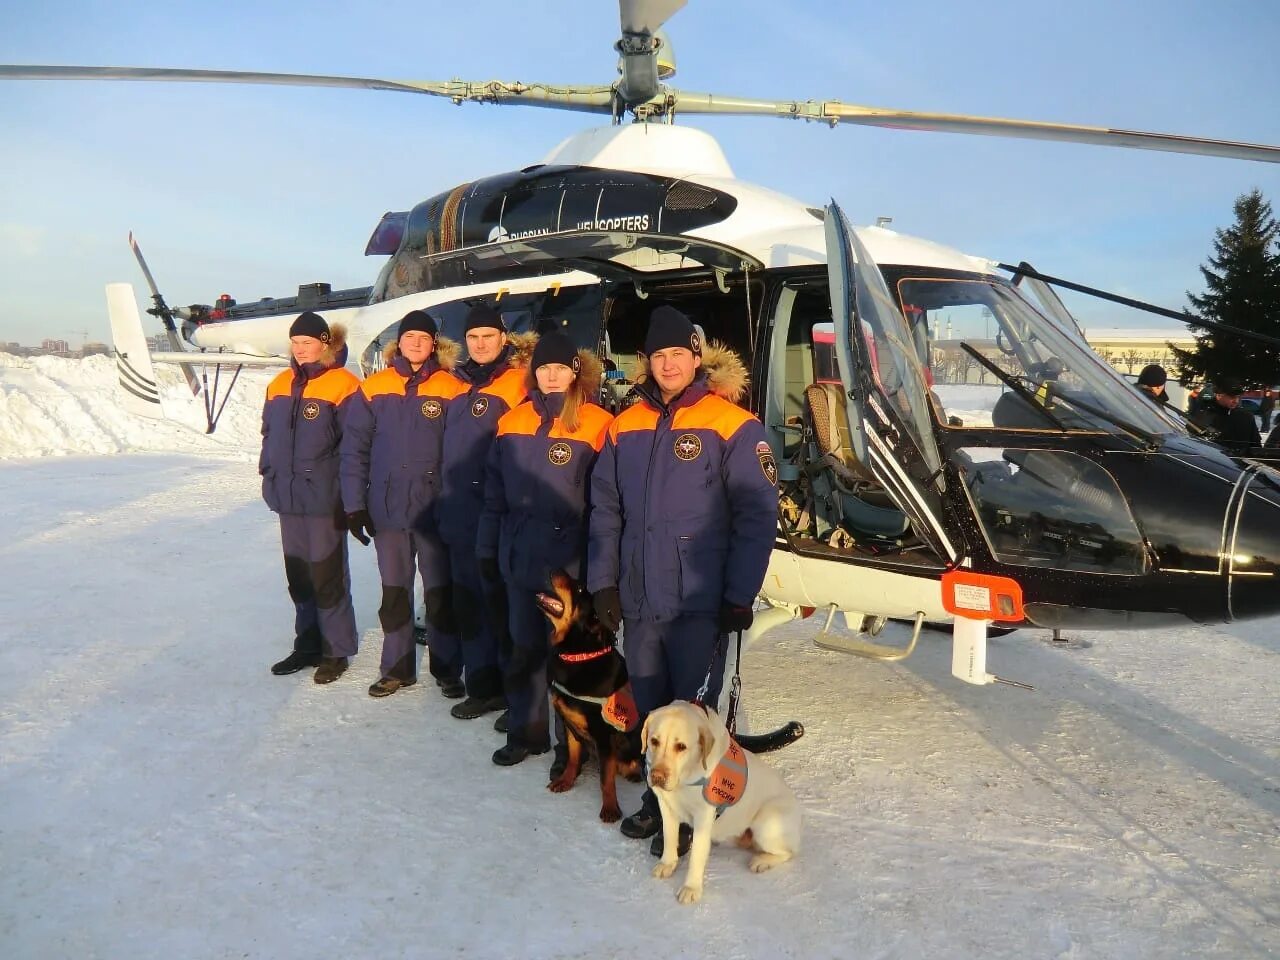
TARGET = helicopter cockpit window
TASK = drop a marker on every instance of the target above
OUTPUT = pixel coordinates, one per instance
(1050, 508)
(995, 361)
(574, 310)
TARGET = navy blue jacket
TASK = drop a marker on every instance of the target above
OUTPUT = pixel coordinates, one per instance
(683, 506)
(536, 484)
(302, 424)
(391, 452)
(471, 422)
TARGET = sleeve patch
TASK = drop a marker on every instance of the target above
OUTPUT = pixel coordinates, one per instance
(770, 467)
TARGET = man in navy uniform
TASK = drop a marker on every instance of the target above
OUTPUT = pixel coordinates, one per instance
(494, 380)
(683, 518)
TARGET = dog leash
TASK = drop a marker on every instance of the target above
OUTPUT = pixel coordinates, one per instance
(735, 684)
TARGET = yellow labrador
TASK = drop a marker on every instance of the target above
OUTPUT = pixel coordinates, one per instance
(701, 777)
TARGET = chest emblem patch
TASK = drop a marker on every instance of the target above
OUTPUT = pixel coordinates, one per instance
(479, 406)
(311, 409)
(770, 467)
(688, 446)
(560, 453)
(431, 409)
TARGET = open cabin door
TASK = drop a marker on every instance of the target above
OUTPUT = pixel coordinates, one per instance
(884, 375)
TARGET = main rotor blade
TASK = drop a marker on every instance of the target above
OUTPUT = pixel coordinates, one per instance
(594, 99)
(646, 16)
(833, 112)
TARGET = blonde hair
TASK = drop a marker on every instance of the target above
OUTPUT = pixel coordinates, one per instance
(572, 399)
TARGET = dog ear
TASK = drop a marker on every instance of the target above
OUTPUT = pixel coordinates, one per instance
(644, 736)
(706, 741)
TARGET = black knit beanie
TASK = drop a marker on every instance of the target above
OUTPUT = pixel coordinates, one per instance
(482, 316)
(417, 320)
(668, 327)
(1153, 375)
(310, 325)
(555, 347)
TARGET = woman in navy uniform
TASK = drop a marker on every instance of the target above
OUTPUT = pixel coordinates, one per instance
(494, 382)
(302, 422)
(534, 519)
(683, 519)
(391, 457)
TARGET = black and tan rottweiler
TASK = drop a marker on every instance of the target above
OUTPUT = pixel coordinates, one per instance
(590, 692)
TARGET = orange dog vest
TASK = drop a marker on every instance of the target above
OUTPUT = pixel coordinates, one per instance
(728, 781)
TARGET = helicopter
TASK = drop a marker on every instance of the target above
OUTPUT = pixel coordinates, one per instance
(947, 447)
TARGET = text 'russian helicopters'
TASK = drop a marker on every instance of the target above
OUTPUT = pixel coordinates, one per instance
(946, 445)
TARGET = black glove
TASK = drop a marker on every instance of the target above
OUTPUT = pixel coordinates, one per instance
(608, 606)
(734, 618)
(489, 569)
(358, 524)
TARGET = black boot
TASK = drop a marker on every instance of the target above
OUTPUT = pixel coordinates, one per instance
(473, 707)
(645, 822)
(451, 688)
(502, 724)
(683, 842)
(294, 662)
(420, 636)
(513, 753)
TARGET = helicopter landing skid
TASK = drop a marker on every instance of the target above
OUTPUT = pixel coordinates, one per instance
(865, 648)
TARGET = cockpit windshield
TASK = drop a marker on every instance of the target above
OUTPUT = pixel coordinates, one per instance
(995, 361)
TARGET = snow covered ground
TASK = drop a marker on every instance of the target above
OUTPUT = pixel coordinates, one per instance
(164, 796)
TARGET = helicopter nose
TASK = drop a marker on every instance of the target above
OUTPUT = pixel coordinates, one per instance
(1253, 561)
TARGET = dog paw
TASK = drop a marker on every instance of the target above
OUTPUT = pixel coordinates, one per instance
(689, 894)
(610, 814)
(560, 785)
(664, 870)
(765, 861)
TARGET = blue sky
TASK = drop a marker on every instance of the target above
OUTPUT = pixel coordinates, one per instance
(253, 190)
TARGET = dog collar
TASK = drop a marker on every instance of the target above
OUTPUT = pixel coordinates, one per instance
(580, 657)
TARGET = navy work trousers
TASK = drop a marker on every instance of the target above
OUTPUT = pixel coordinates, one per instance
(399, 551)
(524, 671)
(481, 611)
(315, 567)
(668, 661)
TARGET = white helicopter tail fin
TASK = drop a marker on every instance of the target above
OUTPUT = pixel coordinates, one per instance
(133, 356)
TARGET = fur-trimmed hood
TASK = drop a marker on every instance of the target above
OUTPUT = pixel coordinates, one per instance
(335, 348)
(522, 345)
(725, 373)
(446, 352)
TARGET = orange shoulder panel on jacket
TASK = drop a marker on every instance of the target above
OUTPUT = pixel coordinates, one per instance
(638, 416)
(712, 413)
(442, 384)
(593, 424)
(280, 384)
(385, 381)
(509, 385)
(522, 421)
(333, 385)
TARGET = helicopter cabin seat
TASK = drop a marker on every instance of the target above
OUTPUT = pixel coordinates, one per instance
(857, 500)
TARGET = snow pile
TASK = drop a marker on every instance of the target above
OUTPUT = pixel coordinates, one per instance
(51, 406)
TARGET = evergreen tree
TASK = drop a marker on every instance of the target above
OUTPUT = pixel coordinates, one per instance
(1242, 289)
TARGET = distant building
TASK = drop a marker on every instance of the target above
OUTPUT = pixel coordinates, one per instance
(1131, 350)
(159, 343)
(59, 348)
(93, 349)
